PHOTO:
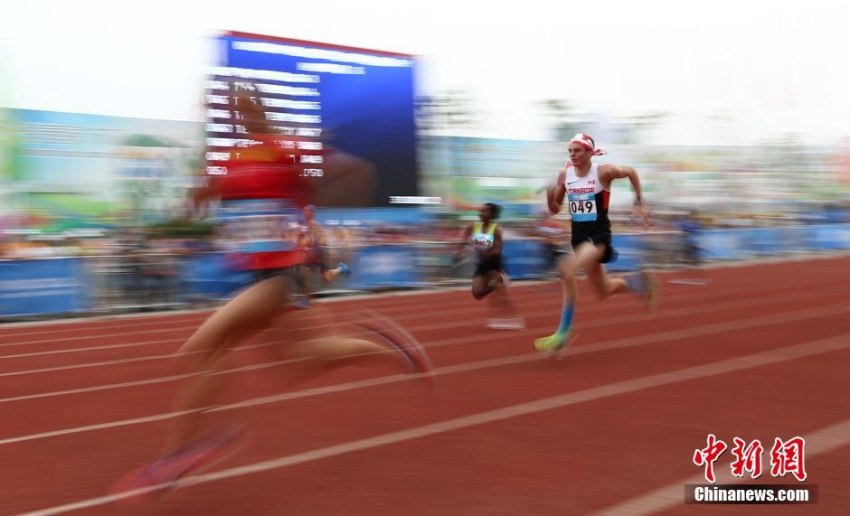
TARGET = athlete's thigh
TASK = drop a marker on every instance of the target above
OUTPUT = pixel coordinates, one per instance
(292, 329)
(253, 309)
(584, 256)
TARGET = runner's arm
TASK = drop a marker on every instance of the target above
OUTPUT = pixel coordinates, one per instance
(555, 193)
(497, 242)
(608, 173)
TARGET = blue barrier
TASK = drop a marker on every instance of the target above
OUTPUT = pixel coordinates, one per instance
(398, 265)
(630, 252)
(797, 238)
(43, 286)
(733, 244)
(60, 285)
(396, 215)
(207, 275)
(832, 237)
(385, 266)
(722, 244)
(778, 240)
(836, 215)
(524, 259)
(765, 241)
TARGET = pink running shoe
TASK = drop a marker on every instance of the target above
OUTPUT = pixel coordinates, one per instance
(401, 340)
(159, 478)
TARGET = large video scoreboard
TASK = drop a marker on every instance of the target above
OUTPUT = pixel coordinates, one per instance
(350, 111)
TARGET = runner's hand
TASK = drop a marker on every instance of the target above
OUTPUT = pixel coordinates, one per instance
(642, 212)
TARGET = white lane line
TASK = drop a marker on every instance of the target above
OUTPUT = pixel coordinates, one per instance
(148, 381)
(470, 366)
(612, 344)
(532, 407)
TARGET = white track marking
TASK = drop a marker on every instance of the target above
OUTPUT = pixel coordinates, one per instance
(481, 418)
(470, 366)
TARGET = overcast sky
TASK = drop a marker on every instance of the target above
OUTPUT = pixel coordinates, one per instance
(768, 66)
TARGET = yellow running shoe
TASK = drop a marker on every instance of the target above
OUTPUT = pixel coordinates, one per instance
(553, 342)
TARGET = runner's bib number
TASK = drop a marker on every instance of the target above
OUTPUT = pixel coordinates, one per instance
(483, 241)
(582, 207)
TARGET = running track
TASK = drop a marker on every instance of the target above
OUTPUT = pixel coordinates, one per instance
(762, 352)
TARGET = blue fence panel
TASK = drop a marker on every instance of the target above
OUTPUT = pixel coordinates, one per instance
(385, 266)
(796, 238)
(722, 244)
(60, 285)
(397, 215)
(630, 252)
(524, 259)
(768, 241)
(836, 215)
(833, 237)
(47, 286)
(207, 275)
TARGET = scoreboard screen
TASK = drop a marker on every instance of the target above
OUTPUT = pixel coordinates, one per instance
(350, 112)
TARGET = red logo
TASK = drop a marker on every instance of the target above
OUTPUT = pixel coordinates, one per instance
(747, 458)
(786, 457)
(707, 456)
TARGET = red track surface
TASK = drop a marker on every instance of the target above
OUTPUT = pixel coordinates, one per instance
(616, 425)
